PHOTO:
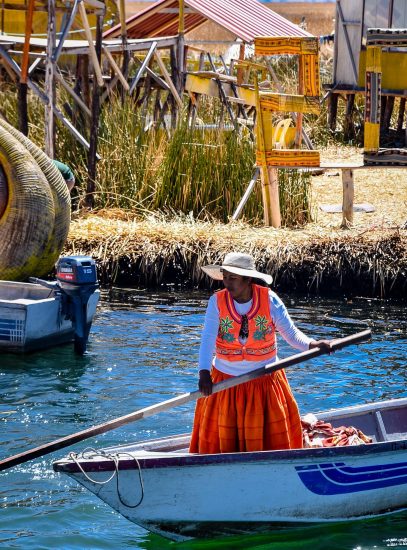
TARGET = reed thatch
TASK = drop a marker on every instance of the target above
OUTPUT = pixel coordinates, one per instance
(154, 252)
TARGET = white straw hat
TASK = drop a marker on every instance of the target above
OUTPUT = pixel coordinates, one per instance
(236, 262)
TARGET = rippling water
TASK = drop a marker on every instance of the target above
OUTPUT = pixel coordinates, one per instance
(143, 349)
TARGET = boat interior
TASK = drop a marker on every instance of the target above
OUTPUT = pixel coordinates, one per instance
(384, 421)
(23, 293)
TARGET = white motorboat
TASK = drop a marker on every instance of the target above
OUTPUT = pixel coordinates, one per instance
(160, 486)
(43, 314)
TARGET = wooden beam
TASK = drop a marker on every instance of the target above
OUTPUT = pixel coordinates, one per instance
(49, 82)
(269, 180)
(144, 64)
(154, 76)
(96, 67)
(94, 130)
(26, 47)
(69, 23)
(116, 69)
(72, 93)
(348, 198)
(12, 65)
(168, 79)
(246, 195)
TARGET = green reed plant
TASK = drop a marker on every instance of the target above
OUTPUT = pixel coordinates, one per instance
(295, 197)
(200, 171)
(206, 171)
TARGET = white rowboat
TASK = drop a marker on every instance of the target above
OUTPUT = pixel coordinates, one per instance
(160, 486)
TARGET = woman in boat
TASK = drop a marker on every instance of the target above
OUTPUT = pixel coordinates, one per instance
(239, 336)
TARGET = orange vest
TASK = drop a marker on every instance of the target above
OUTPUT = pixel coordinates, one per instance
(261, 342)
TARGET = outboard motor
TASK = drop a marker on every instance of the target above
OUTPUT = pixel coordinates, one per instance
(76, 282)
(77, 279)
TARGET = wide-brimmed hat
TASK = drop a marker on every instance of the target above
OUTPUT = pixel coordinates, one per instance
(239, 263)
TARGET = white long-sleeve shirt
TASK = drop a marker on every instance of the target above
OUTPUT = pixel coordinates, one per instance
(282, 322)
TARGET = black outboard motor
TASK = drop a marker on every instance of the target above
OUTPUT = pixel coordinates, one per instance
(77, 279)
(76, 282)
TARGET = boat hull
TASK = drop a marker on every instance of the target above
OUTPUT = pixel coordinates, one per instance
(31, 317)
(181, 495)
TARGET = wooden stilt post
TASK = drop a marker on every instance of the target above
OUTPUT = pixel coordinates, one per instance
(388, 113)
(298, 125)
(93, 141)
(23, 87)
(126, 53)
(332, 111)
(349, 130)
(49, 81)
(348, 198)
(268, 174)
(240, 71)
(174, 74)
(400, 118)
(181, 47)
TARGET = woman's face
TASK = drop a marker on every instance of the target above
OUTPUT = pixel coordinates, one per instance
(240, 288)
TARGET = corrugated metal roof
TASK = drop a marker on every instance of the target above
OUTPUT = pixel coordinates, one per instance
(244, 18)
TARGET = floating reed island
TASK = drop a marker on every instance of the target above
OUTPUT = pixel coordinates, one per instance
(152, 252)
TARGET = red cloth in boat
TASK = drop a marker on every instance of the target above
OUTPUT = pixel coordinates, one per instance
(258, 415)
(322, 434)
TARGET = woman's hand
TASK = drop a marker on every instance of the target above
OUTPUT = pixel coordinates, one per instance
(205, 382)
(325, 345)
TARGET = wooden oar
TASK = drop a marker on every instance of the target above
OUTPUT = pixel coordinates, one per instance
(180, 400)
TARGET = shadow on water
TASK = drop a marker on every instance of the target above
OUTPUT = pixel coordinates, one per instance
(374, 534)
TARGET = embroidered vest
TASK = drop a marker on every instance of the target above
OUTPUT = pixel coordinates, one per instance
(261, 342)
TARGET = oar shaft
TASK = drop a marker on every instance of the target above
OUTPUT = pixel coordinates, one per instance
(175, 401)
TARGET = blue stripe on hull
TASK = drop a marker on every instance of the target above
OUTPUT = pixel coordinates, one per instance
(337, 478)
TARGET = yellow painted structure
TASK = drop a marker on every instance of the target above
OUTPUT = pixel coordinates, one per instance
(394, 70)
(199, 84)
(288, 158)
(371, 137)
(270, 150)
(287, 103)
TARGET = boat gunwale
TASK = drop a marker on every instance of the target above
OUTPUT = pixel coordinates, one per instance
(154, 458)
(106, 464)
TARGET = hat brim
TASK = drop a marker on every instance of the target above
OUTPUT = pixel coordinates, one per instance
(216, 272)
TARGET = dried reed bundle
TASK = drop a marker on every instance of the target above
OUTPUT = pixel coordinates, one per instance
(152, 252)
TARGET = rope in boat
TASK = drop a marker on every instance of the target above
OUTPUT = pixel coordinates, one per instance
(115, 459)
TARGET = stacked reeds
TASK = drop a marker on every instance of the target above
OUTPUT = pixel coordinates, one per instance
(154, 252)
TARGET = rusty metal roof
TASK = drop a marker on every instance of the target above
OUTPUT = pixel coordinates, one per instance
(244, 18)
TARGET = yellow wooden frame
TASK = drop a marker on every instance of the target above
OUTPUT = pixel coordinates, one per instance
(306, 101)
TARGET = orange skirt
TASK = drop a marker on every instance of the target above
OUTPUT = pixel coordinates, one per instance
(259, 415)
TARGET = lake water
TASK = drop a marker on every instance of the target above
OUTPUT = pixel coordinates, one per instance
(143, 349)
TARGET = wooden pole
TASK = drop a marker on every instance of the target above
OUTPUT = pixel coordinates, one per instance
(240, 71)
(400, 118)
(23, 87)
(268, 174)
(123, 28)
(246, 195)
(298, 125)
(332, 111)
(93, 141)
(49, 82)
(92, 51)
(181, 46)
(63, 442)
(167, 79)
(388, 113)
(348, 198)
(349, 129)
